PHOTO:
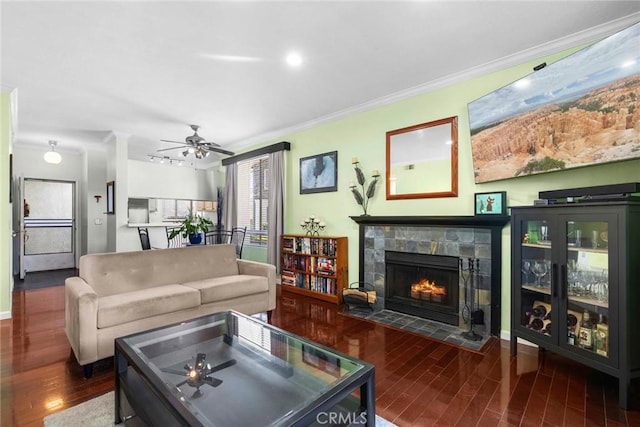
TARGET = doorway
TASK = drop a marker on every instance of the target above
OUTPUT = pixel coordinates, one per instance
(49, 225)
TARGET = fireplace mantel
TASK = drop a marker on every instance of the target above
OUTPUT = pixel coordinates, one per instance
(480, 221)
(492, 223)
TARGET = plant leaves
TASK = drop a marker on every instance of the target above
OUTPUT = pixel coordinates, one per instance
(359, 175)
(371, 190)
(357, 196)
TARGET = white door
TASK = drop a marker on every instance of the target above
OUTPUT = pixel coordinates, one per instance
(49, 225)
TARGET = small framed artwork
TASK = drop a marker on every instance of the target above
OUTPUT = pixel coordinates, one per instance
(111, 197)
(490, 203)
(319, 173)
(10, 178)
(321, 361)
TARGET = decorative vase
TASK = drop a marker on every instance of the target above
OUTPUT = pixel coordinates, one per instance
(195, 239)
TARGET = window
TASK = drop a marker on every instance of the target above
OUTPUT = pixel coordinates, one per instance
(175, 209)
(253, 198)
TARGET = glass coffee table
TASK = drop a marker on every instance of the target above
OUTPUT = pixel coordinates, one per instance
(228, 369)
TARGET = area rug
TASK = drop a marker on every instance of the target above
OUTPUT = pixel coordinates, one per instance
(98, 412)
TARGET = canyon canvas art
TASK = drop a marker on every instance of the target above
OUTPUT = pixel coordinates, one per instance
(579, 111)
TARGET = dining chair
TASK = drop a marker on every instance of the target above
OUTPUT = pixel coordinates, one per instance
(143, 232)
(177, 241)
(237, 238)
(217, 237)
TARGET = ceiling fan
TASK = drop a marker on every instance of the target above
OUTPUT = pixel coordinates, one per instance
(196, 145)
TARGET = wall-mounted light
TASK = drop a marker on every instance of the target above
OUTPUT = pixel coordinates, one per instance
(52, 156)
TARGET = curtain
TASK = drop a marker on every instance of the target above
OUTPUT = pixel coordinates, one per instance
(230, 206)
(275, 208)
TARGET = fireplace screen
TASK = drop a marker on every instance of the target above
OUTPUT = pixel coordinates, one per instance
(422, 285)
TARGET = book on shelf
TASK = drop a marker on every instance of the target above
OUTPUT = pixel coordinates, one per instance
(288, 244)
(326, 266)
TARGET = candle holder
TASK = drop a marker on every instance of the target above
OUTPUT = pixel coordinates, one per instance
(312, 226)
(362, 197)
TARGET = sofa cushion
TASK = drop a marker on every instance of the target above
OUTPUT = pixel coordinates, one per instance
(223, 288)
(131, 306)
(118, 272)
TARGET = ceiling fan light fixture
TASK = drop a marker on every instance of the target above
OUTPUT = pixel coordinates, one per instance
(52, 156)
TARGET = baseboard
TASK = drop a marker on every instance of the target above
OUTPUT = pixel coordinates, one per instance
(5, 315)
(506, 335)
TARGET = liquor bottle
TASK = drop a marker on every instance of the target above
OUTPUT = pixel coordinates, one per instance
(572, 321)
(602, 336)
(585, 337)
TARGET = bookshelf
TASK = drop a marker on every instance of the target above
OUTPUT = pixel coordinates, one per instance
(314, 266)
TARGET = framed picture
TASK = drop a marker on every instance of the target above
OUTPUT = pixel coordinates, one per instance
(10, 178)
(319, 173)
(319, 360)
(111, 197)
(490, 203)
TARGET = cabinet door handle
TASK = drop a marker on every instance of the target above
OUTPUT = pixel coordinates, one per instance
(563, 280)
(554, 280)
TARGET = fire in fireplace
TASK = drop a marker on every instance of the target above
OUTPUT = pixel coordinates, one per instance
(422, 285)
(426, 290)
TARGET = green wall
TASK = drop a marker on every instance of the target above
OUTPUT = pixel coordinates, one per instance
(5, 207)
(362, 135)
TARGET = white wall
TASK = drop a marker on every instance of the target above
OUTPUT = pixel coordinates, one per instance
(153, 180)
(94, 217)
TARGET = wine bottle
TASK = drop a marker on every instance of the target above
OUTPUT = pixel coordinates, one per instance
(585, 337)
(539, 311)
(536, 324)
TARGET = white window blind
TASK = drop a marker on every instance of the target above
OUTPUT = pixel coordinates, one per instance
(253, 198)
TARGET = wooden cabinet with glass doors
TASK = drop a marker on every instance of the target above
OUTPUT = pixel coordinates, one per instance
(575, 279)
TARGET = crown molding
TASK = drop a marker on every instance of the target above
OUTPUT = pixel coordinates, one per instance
(586, 36)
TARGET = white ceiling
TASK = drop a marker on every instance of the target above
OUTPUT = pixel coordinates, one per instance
(150, 68)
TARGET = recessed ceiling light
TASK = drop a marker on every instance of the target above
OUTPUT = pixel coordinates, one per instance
(294, 59)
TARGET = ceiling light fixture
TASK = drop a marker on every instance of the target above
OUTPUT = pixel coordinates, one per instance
(294, 59)
(52, 156)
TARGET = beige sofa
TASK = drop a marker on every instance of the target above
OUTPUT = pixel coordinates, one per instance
(118, 294)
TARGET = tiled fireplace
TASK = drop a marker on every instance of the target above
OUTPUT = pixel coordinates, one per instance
(447, 239)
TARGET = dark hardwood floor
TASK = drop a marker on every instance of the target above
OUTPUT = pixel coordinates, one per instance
(419, 381)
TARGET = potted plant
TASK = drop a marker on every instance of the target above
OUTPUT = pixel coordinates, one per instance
(193, 226)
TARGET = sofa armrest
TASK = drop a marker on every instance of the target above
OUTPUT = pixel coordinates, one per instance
(254, 268)
(81, 319)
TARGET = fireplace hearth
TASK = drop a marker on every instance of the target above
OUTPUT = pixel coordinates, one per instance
(423, 285)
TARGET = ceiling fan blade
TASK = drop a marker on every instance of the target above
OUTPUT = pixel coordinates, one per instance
(172, 148)
(210, 143)
(219, 150)
(175, 142)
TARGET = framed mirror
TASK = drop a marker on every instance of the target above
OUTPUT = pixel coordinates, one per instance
(422, 160)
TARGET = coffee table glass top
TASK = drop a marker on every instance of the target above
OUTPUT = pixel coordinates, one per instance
(231, 369)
